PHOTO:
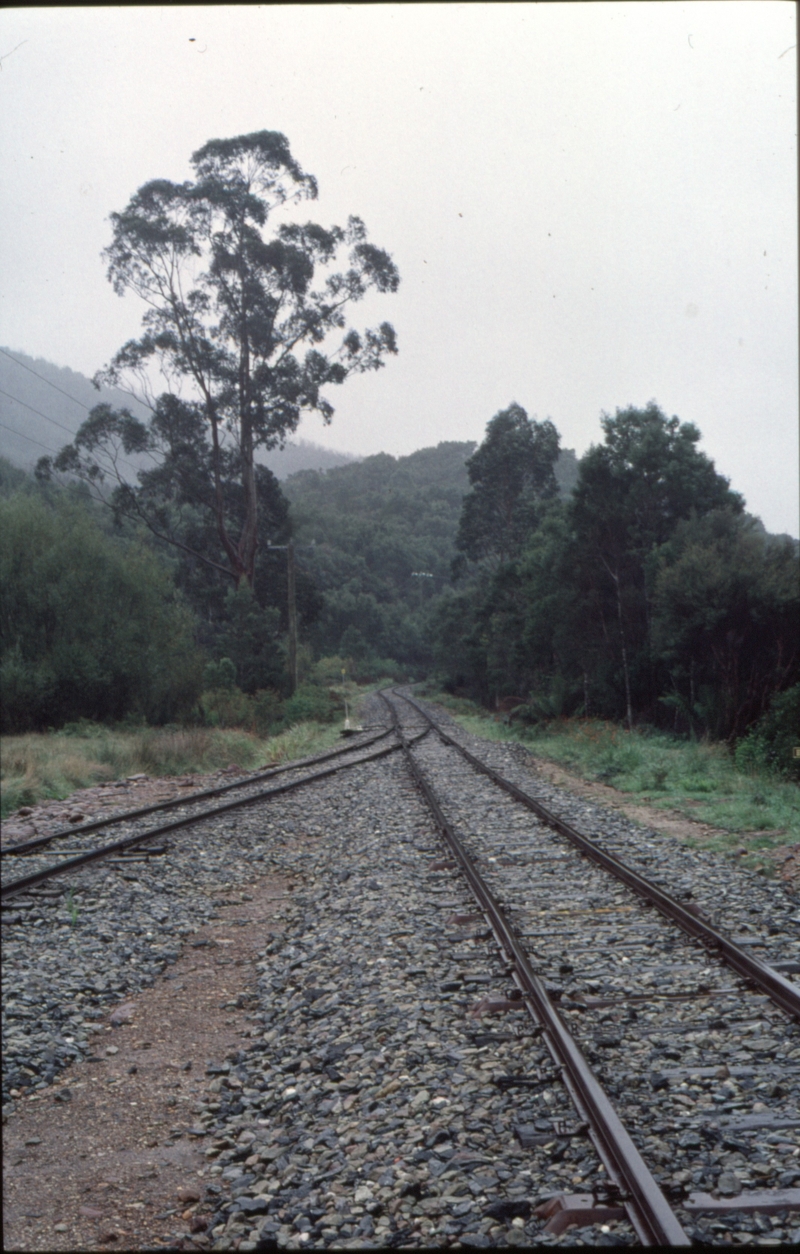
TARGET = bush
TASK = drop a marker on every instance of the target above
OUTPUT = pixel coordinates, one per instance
(92, 627)
(266, 711)
(226, 707)
(329, 670)
(220, 674)
(768, 746)
(311, 704)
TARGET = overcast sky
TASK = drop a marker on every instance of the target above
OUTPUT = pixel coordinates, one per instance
(591, 205)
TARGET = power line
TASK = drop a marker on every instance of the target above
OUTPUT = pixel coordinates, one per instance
(29, 438)
(47, 381)
(50, 384)
(55, 424)
(36, 411)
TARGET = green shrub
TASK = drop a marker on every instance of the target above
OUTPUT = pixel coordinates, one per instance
(266, 707)
(311, 704)
(220, 674)
(92, 626)
(226, 707)
(329, 670)
(769, 745)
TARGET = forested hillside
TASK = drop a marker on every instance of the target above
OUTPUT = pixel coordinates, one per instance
(43, 405)
(384, 534)
(630, 585)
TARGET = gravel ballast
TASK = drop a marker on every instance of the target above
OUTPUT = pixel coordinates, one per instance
(378, 1104)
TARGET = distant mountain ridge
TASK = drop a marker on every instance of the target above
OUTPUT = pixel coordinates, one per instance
(42, 405)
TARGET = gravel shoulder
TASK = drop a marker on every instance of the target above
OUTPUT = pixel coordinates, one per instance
(109, 1156)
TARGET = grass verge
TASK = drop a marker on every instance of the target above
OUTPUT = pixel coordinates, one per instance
(50, 766)
(696, 779)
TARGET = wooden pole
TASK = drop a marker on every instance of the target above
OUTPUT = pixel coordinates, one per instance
(292, 617)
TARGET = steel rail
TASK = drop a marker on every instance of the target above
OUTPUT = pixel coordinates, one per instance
(645, 1204)
(27, 846)
(129, 842)
(782, 991)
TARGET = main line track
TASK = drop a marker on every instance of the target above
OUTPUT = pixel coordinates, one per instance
(782, 991)
(653, 1218)
(645, 1204)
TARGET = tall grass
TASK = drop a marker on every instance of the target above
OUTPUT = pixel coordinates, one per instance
(38, 767)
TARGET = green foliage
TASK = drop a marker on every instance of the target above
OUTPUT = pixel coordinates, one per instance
(228, 707)
(311, 703)
(646, 594)
(91, 627)
(249, 637)
(229, 311)
(511, 475)
(770, 745)
(329, 670)
(11, 478)
(378, 524)
(726, 619)
(40, 766)
(221, 674)
(699, 779)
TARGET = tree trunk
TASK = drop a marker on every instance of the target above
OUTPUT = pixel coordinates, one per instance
(248, 543)
(219, 504)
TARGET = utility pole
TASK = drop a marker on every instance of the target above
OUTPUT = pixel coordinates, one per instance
(292, 616)
(292, 604)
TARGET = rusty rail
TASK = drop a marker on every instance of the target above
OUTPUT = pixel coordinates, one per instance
(782, 991)
(644, 1203)
(130, 842)
(27, 846)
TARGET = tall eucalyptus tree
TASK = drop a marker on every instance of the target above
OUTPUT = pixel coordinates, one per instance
(247, 326)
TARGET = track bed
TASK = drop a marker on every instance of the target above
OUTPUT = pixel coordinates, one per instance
(387, 1097)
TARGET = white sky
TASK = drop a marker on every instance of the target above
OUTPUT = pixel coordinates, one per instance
(591, 205)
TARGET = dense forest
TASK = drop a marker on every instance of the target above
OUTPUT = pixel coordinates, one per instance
(630, 585)
(649, 595)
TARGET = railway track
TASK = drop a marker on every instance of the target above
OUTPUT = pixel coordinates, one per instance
(190, 810)
(553, 882)
(519, 1034)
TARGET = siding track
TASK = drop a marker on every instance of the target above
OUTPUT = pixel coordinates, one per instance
(76, 858)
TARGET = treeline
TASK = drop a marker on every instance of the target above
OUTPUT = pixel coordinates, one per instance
(630, 585)
(102, 621)
(649, 595)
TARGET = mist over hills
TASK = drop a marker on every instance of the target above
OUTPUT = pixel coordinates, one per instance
(42, 405)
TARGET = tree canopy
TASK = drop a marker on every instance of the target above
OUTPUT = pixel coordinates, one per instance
(646, 594)
(247, 327)
(511, 474)
(91, 626)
